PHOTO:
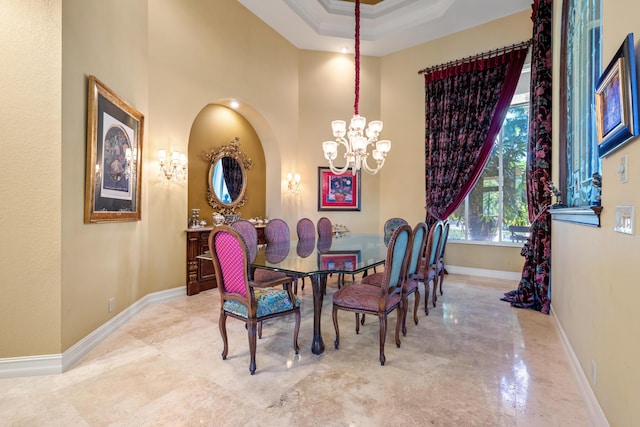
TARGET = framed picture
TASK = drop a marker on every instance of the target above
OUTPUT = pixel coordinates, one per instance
(617, 100)
(338, 192)
(114, 153)
(343, 260)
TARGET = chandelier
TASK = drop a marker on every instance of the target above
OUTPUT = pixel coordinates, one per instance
(356, 139)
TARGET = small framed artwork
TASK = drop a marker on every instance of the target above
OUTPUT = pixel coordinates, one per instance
(617, 100)
(339, 261)
(114, 153)
(338, 192)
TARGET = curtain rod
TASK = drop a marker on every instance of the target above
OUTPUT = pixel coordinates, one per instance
(478, 56)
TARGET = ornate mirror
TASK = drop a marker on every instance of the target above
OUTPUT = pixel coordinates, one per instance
(227, 181)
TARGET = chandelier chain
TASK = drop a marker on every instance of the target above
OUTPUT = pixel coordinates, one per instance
(356, 101)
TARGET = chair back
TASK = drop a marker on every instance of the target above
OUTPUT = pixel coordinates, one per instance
(398, 253)
(306, 247)
(325, 228)
(444, 238)
(276, 231)
(390, 226)
(419, 243)
(306, 229)
(433, 243)
(230, 262)
(250, 235)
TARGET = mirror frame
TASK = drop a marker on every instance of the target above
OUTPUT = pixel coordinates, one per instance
(230, 150)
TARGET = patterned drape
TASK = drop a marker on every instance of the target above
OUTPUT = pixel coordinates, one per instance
(533, 290)
(465, 105)
(232, 176)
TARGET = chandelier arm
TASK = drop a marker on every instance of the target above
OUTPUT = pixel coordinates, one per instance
(375, 170)
(338, 171)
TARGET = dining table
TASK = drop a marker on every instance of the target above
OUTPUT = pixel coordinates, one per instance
(341, 253)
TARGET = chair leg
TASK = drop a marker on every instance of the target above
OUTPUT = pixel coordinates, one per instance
(426, 298)
(383, 336)
(398, 323)
(303, 283)
(405, 304)
(251, 328)
(336, 343)
(416, 303)
(295, 332)
(260, 329)
(222, 324)
(358, 322)
(441, 279)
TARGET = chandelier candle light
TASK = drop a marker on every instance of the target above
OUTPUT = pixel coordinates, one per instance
(357, 139)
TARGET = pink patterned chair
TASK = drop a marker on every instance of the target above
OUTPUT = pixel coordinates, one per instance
(244, 299)
(380, 300)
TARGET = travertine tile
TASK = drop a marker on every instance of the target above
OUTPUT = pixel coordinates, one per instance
(473, 361)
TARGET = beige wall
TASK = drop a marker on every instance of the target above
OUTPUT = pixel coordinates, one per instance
(594, 280)
(327, 94)
(30, 190)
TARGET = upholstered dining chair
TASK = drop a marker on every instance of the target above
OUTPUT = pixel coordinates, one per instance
(379, 300)
(249, 233)
(325, 228)
(427, 270)
(306, 230)
(244, 299)
(277, 231)
(440, 269)
(411, 286)
(389, 227)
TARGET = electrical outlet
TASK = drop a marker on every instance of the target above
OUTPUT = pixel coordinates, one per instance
(625, 219)
(594, 373)
(112, 304)
(623, 168)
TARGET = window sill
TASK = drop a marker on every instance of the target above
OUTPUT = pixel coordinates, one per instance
(588, 215)
(486, 243)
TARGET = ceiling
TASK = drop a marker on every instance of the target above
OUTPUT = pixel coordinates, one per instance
(386, 26)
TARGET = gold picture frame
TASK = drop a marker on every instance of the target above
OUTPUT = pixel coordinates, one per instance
(114, 153)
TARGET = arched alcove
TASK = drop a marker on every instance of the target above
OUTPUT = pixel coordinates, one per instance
(214, 126)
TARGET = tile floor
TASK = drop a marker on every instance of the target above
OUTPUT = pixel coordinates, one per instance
(474, 361)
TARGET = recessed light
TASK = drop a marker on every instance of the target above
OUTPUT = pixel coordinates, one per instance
(234, 104)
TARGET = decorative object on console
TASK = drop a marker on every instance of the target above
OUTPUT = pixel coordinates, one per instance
(293, 183)
(617, 100)
(194, 221)
(227, 182)
(356, 143)
(175, 169)
(218, 218)
(114, 152)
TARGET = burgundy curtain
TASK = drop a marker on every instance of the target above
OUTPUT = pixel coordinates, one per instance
(465, 105)
(533, 290)
(232, 176)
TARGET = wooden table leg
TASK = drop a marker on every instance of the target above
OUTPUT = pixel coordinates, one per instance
(319, 284)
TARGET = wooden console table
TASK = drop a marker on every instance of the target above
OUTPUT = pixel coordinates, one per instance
(200, 273)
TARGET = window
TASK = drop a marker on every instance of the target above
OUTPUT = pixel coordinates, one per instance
(580, 68)
(496, 208)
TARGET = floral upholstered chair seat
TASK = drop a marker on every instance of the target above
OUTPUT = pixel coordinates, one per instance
(268, 301)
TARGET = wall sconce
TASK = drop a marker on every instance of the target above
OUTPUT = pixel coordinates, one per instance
(293, 183)
(175, 168)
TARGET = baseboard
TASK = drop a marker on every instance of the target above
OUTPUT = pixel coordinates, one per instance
(57, 363)
(595, 411)
(492, 274)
